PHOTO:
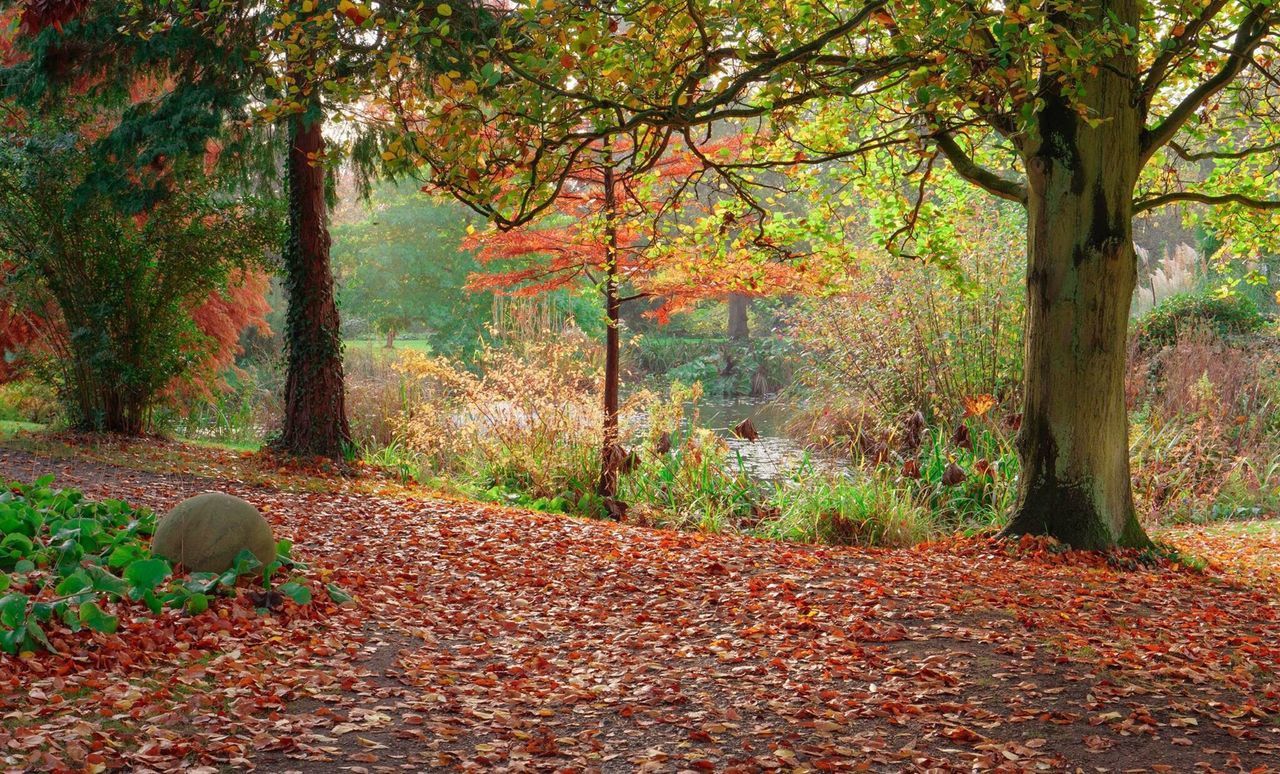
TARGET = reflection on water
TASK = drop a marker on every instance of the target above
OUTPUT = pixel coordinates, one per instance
(770, 457)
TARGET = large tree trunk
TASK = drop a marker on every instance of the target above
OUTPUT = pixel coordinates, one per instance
(611, 454)
(1081, 272)
(738, 326)
(315, 419)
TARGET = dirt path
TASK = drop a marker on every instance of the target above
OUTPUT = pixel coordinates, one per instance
(488, 638)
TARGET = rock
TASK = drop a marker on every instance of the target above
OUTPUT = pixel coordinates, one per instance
(205, 533)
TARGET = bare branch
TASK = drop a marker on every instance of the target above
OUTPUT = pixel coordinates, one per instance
(1187, 155)
(1150, 203)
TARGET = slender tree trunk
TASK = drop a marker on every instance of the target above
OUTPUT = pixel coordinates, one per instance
(315, 419)
(739, 328)
(610, 452)
(1081, 273)
(391, 338)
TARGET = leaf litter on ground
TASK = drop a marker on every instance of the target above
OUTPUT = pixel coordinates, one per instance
(486, 638)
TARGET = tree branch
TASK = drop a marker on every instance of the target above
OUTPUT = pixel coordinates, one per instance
(979, 175)
(1176, 45)
(1187, 155)
(1249, 34)
(1150, 203)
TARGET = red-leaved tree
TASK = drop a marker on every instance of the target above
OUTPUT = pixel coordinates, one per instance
(222, 319)
(606, 229)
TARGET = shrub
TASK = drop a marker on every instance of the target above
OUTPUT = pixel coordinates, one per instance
(907, 336)
(1206, 433)
(1223, 314)
(842, 509)
(29, 400)
(120, 288)
(527, 421)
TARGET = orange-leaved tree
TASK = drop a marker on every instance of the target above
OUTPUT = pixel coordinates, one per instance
(608, 227)
(29, 329)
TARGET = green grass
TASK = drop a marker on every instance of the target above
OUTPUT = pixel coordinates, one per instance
(238, 446)
(379, 345)
(10, 428)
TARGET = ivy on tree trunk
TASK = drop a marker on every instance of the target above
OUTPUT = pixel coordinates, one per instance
(315, 419)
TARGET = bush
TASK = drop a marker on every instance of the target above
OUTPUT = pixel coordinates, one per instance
(1225, 315)
(29, 400)
(527, 422)
(1205, 441)
(840, 509)
(118, 289)
(908, 336)
(68, 562)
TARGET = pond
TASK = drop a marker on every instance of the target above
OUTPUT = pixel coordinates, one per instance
(773, 455)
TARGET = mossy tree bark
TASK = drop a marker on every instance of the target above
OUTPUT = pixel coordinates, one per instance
(1081, 271)
(315, 418)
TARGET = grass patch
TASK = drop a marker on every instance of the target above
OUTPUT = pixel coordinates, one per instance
(9, 427)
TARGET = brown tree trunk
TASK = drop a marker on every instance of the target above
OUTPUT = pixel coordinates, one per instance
(1081, 272)
(391, 338)
(315, 419)
(611, 455)
(739, 327)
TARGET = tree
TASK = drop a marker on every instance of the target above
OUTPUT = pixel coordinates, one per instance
(120, 289)
(739, 327)
(222, 319)
(594, 233)
(1086, 113)
(616, 224)
(399, 265)
(230, 70)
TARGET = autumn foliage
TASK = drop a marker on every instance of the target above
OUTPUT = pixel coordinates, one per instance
(221, 319)
(653, 259)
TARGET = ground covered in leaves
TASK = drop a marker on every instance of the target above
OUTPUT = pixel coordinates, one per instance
(486, 638)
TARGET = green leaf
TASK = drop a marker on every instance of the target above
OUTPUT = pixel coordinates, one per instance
(107, 583)
(13, 610)
(10, 639)
(93, 617)
(146, 574)
(74, 583)
(125, 554)
(37, 635)
(202, 582)
(41, 611)
(17, 544)
(297, 592)
(197, 603)
(246, 562)
(24, 566)
(337, 594)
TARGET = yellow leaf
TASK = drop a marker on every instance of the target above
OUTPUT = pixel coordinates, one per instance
(444, 10)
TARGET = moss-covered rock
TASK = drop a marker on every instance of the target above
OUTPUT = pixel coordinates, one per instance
(207, 532)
